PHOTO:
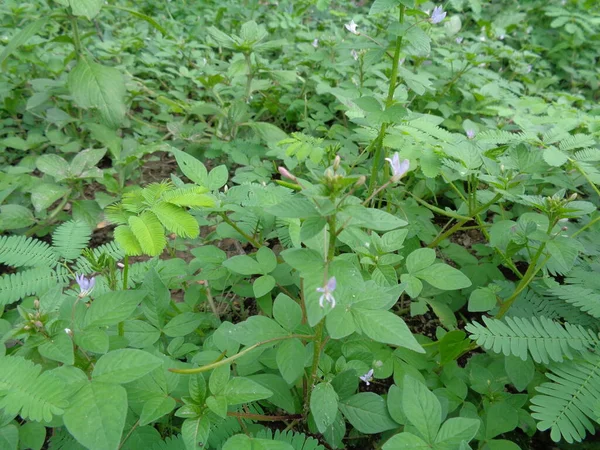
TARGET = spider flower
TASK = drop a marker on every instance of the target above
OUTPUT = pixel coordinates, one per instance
(86, 285)
(398, 168)
(327, 293)
(367, 377)
(351, 27)
(437, 15)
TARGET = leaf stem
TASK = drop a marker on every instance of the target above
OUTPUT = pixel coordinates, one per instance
(263, 417)
(233, 225)
(238, 355)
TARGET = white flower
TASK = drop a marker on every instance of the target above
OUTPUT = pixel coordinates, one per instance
(351, 27)
(459, 40)
(68, 331)
(315, 43)
(437, 15)
(327, 293)
(528, 69)
(367, 377)
(398, 168)
(354, 54)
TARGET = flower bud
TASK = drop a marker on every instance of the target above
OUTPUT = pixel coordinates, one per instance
(573, 197)
(336, 162)
(38, 324)
(361, 180)
(36, 304)
(285, 173)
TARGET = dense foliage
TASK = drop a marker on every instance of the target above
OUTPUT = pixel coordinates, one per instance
(304, 224)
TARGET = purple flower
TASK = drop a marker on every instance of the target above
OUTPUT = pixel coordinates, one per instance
(327, 293)
(398, 168)
(354, 54)
(85, 285)
(438, 14)
(351, 27)
(367, 377)
(470, 134)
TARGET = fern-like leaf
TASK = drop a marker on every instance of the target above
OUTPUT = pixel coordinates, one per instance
(21, 251)
(542, 338)
(171, 443)
(193, 196)
(297, 440)
(566, 405)
(70, 238)
(32, 281)
(149, 233)
(25, 392)
(176, 219)
(127, 240)
(588, 300)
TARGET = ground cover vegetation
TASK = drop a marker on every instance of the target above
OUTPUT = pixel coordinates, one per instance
(308, 224)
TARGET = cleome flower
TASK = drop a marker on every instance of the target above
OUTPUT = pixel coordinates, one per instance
(437, 15)
(86, 286)
(367, 377)
(351, 27)
(327, 293)
(399, 169)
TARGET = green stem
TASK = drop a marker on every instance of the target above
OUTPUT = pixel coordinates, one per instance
(378, 157)
(585, 227)
(264, 418)
(239, 355)
(233, 225)
(248, 58)
(460, 223)
(437, 210)
(587, 178)
(52, 215)
(125, 272)
(76, 38)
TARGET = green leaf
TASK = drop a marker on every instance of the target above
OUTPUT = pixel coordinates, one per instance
(303, 259)
(406, 441)
(311, 227)
(287, 312)
(9, 437)
(520, 373)
(297, 207)
(96, 86)
(87, 8)
(140, 334)
(93, 340)
(219, 378)
(217, 178)
(13, 217)
(454, 431)
(270, 133)
(420, 259)
(183, 324)
(149, 233)
(385, 327)
(97, 414)
(290, 359)
(266, 259)
(195, 432)
(53, 165)
(443, 276)
(323, 405)
(422, 408)
(482, 299)
(218, 405)
(243, 442)
(58, 348)
(282, 396)
(243, 264)
(263, 285)
(32, 436)
(554, 157)
(243, 390)
(155, 408)
(367, 412)
(22, 37)
(191, 167)
(500, 418)
(124, 365)
(112, 308)
(127, 240)
(370, 218)
(177, 220)
(501, 444)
